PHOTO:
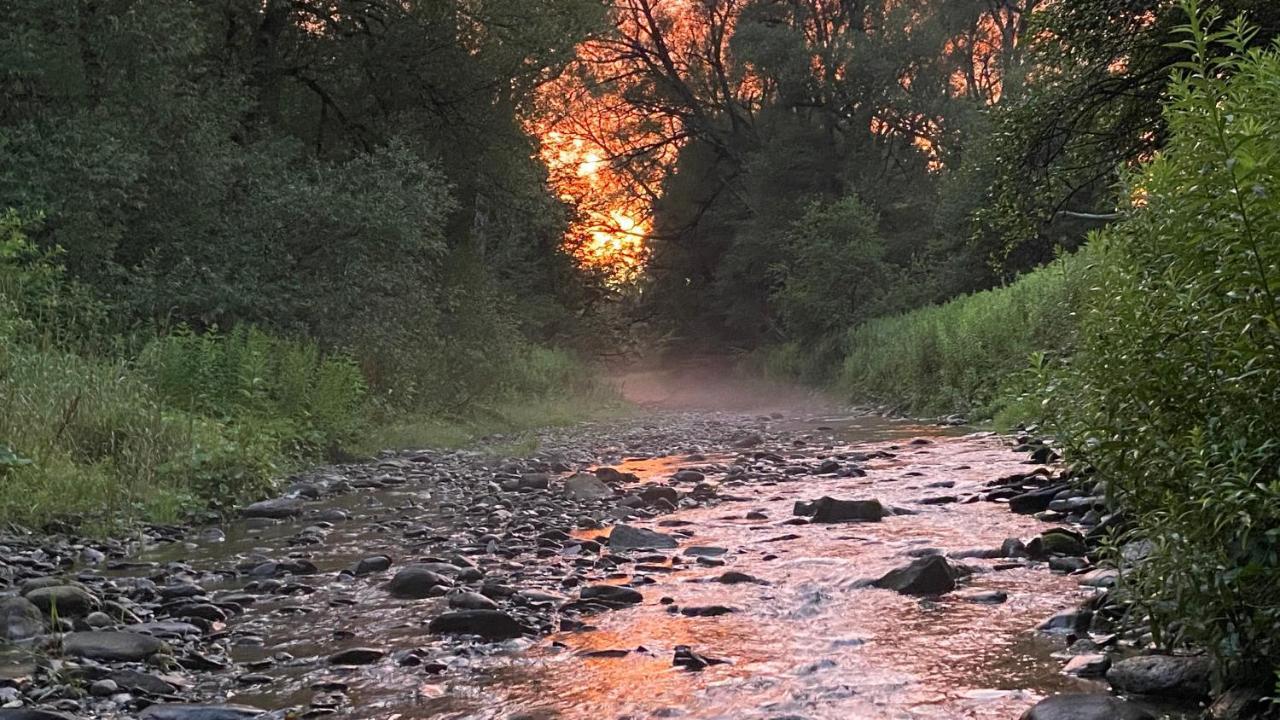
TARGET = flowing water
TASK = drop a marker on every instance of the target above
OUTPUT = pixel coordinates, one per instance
(807, 642)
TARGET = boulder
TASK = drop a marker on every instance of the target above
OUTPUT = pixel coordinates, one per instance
(416, 582)
(1060, 541)
(932, 575)
(185, 711)
(20, 619)
(468, 600)
(827, 510)
(1162, 676)
(370, 565)
(1085, 706)
(1035, 501)
(585, 486)
(65, 600)
(611, 594)
(274, 509)
(488, 624)
(111, 646)
(627, 537)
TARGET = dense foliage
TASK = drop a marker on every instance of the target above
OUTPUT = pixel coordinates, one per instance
(1173, 391)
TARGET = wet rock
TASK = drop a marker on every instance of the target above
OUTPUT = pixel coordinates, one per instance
(471, 601)
(111, 646)
(932, 575)
(488, 624)
(1029, 503)
(1061, 541)
(585, 486)
(612, 594)
(32, 714)
(629, 537)
(983, 597)
(20, 619)
(706, 611)
(1067, 622)
(1013, 548)
(689, 476)
(660, 493)
(1085, 706)
(183, 711)
(686, 658)
(734, 577)
(749, 440)
(1162, 675)
(1088, 665)
(828, 510)
(66, 600)
(416, 582)
(134, 681)
(357, 656)
(274, 509)
(104, 688)
(705, 551)
(370, 565)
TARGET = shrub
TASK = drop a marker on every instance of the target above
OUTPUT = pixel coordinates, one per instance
(1173, 393)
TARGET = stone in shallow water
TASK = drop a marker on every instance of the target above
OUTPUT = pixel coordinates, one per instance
(274, 509)
(65, 600)
(1084, 706)
(184, 711)
(628, 537)
(471, 601)
(611, 593)
(932, 575)
(488, 624)
(356, 656)
(1162, 676)
(32, 714)
(827, 509)
(416, 582)
(111, 646)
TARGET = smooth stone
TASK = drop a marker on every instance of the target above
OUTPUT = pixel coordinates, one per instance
(357, 656)
(629, 537)
(1085, 706)
(828, 510)
(1162, 676)
(983, 597)
(1091, 665)
(1060, 541)
(111, 646)
(416, 582)
(611, 593)
(585, 486)
(32, 714)
(1067, 622)
(65, 600)
(186, 711)
(273, 509)
(488, 624)
(20, 619)
(471, 601)
(370, 565)
(932, 575)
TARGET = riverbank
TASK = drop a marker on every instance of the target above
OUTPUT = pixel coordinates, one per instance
(460, 584)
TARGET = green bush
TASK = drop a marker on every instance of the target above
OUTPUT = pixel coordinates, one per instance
(963, 355)
(1174, 391)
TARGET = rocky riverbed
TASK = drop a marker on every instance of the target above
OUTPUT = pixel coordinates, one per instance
(681, 565)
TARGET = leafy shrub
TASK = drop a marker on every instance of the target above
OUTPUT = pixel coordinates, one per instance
(1174, 391)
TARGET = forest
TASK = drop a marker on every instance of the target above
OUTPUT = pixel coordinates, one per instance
(243, 238)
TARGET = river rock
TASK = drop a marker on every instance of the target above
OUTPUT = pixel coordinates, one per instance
(32, 714)
(111, 646)
(274, 509)
(20, 619)
(611, 593)
(183, 711)
(357, 656)
(653, 494)
(66, 600)
(1162, 676)
(1061, 541)
(488, 624)
(1085, 706)
(134, 681)
(416, 582)
(1035, 501)
(1091, 665)
(370, 565)
(828, 510)
(471, 601)
(585, 486)
(1067, 622)
(932, 575)
(629, 537)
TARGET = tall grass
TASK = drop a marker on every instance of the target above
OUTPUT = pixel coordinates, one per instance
(963, 356)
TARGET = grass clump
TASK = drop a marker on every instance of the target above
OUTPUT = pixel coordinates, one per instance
(964, 355)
